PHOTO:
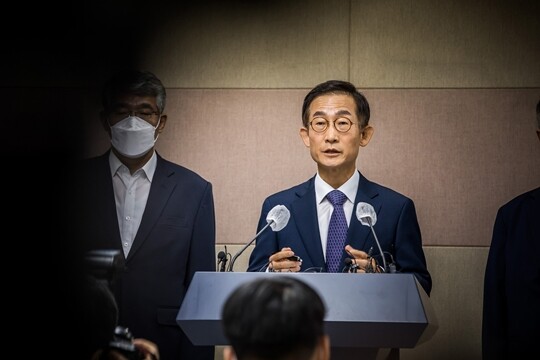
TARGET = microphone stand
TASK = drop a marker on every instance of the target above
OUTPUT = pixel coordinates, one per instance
(223, 264)
(231, 264)
(378, 244)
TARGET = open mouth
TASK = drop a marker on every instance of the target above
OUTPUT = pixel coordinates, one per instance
(331, 151)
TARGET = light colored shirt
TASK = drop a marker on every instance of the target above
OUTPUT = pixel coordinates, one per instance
(325, 208)
(130, 195)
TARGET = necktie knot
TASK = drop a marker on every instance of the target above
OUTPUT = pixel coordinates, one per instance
(336, 197)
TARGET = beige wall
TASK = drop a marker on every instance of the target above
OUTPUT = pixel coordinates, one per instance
(453, 87)
(455, 152)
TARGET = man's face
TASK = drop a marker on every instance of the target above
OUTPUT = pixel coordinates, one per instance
(335, 152)
(144, 107)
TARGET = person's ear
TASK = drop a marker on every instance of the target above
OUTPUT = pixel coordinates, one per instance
(366, 134)
(322, 350)
(161, 125)
(304, 134)
(228, 353)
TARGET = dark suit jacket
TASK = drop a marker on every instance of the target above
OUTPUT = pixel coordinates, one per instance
(511, 312)
(397, 230)
(175, 239)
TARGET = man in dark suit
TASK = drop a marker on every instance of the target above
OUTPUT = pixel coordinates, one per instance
(511, 312)
(159, 214)
(335, 120)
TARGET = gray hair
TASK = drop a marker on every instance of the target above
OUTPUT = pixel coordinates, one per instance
(142, 83)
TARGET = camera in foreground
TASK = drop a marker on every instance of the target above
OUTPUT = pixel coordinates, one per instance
(123, 344)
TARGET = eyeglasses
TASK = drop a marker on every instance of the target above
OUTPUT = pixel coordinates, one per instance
(320, 125)
(146, 115)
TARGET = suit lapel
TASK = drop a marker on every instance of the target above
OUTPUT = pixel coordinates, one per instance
(160, 191)
(304, 211)
(358, 233)
(105, 197)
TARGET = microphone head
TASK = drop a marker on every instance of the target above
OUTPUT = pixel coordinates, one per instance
(365, 213)
(278, 217)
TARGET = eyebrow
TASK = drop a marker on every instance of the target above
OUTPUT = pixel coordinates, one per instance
(122, 105)
(340, 112)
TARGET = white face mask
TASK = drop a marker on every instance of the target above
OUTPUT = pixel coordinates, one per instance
(133, 137)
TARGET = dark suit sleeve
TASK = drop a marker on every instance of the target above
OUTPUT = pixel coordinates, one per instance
(409, 254)
(493, 323)
(202, 250)
(201, 258)
(511, 315)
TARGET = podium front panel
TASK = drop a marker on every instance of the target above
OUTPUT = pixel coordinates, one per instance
(363, 310)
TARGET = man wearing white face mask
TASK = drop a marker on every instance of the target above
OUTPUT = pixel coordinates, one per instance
(133, 136)
(160, 214)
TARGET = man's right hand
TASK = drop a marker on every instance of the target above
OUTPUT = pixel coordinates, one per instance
(280, 262)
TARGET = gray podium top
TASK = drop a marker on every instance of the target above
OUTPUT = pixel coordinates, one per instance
(363, 310)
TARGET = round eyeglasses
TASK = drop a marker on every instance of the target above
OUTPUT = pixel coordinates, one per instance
(320, 125)
(146, 115)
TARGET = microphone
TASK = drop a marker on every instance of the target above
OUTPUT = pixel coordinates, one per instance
(222, 259)
(367, 216)
(277, 219)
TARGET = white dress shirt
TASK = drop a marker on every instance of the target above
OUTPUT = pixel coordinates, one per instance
(130, 194)
(325, 208)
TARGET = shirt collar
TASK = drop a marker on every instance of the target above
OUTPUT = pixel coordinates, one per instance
(349, 188)
(149, 168)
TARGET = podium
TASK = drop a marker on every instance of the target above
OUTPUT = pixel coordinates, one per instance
(367, 314)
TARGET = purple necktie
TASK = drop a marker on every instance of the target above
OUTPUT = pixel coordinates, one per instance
(337, 231)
